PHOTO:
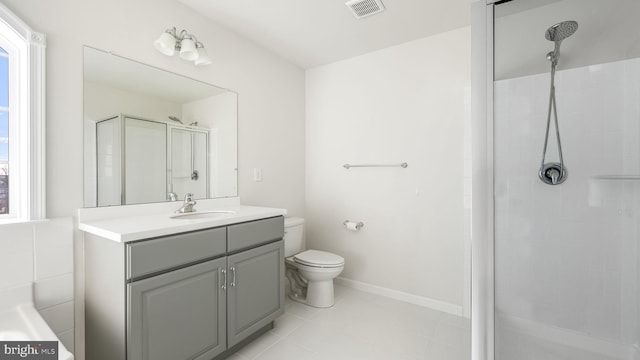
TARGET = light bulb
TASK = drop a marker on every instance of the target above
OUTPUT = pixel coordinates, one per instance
(166, 44)
(188, 49)
(203, 58)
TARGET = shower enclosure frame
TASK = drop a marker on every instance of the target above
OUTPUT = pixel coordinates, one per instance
(612, 337)
(482, 207)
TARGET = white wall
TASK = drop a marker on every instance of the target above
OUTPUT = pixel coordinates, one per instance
(406, 103)
(270, 96)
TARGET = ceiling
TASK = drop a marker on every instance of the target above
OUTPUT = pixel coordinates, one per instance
(310, 33)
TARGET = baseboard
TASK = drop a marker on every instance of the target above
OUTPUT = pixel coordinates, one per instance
(569, 338)
(401, 296)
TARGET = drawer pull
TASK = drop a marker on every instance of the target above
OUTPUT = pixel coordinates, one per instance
(233, 276)
(224, 279)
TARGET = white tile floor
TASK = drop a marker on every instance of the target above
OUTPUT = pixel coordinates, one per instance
(362, 326)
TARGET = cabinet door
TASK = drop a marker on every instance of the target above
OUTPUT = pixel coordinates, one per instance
(256, 290)
(178, 315)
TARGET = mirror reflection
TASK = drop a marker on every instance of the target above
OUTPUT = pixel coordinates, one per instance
(151, 135)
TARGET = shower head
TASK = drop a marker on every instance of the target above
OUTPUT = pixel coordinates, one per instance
(561, 31)
(174, 118)
(557, 33)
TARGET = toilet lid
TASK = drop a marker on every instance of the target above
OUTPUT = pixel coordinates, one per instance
(318, 258)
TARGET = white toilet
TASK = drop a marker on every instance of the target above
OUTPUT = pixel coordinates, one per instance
(310, 272)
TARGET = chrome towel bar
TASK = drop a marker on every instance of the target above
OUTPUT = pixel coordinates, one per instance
(402, 165)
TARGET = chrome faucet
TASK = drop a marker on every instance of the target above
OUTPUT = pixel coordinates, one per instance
(188, 204)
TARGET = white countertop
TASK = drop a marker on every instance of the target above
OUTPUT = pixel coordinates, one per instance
(136, 227)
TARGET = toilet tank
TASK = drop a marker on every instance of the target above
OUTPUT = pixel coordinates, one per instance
(293, 236)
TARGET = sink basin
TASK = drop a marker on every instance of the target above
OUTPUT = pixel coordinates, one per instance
(203, 215)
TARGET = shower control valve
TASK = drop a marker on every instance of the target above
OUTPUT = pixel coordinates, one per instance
(552, 173)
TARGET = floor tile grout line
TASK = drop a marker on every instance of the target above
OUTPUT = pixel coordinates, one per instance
(303, 321)
(280, 338)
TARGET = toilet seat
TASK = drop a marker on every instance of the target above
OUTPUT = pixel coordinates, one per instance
(321, 259)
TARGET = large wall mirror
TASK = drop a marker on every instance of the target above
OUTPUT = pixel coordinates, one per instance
(152, 135)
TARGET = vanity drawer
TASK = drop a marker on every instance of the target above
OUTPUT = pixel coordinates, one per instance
(150, 256)
(250, 234)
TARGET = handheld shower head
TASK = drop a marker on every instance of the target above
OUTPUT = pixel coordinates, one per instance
(176, 119)
(557, 33)
(561, 31)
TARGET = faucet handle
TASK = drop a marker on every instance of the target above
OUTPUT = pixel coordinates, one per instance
(188, 197)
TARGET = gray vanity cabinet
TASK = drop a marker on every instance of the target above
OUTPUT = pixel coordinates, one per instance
(178, 315)
(192, 295)
(256, 290)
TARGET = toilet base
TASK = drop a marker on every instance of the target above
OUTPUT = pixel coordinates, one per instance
(318, 294)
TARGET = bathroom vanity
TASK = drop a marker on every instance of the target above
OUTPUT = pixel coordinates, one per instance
(184, 288)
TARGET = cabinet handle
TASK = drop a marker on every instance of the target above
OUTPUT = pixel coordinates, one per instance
(233, 276)
(224, 281)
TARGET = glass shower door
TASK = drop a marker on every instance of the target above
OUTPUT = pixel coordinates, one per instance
(567, 276)
(109, 162)
(145, 157)
(189, 166)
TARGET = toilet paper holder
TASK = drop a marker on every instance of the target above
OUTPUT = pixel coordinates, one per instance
(352, 225)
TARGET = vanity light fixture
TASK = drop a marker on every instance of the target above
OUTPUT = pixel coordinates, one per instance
(186, 44)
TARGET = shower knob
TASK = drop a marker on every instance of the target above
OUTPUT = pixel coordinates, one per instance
(553, 173)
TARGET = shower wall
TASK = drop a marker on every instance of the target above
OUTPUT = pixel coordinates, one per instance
(567, 256)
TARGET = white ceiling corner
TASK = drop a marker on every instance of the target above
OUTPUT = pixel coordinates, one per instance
(310, 33)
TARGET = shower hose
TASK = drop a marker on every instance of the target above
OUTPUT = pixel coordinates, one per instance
(552, 173)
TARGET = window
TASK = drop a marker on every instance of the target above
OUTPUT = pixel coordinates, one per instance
(21, 120)
(4, 132)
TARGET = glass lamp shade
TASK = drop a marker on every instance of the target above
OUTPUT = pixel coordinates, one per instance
(166, 44)
(188, 49)
(203, 58)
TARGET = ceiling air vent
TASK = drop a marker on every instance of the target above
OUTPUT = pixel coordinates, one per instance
(364, 8)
